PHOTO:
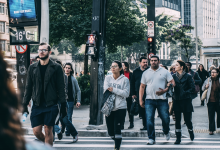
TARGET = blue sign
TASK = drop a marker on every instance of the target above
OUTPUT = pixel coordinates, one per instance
(22, 11)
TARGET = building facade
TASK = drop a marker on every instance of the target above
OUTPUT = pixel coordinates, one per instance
(4, 31)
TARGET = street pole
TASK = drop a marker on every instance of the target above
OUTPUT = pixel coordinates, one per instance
(196, 34)
(44, 29)
(97, 63)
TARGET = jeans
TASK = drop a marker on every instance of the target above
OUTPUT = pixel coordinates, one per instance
(70, 127)
(163, 110)
(70, 106)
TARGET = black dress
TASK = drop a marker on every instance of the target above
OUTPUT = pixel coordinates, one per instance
(182, 101)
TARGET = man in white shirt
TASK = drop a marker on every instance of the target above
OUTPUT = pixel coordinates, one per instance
(156, 78)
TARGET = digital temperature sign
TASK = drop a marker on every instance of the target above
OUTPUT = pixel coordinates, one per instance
(21, 11)
(24, 35)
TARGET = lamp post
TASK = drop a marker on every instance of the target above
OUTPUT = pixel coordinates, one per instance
(196, 34)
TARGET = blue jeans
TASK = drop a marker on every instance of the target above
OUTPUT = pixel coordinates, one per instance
(70, 106)
(70, 127)
(163, 110)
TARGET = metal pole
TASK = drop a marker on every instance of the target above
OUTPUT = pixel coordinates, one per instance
(196, 34)
(44, 33)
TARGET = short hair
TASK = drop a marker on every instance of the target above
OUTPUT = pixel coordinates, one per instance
(189, 63)
(69, 64)
(155, 56)
(48, 46)
(143, 57)
(59, 62)
(165, 67)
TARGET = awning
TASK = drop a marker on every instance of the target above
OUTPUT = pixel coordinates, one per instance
(211, 53)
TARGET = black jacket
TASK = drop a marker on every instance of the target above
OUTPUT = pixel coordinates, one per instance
(136, 81)
(54, 85)
(184, 87)
(203, 75)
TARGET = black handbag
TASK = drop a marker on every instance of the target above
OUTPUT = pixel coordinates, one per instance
(134, 108)
(107, 93)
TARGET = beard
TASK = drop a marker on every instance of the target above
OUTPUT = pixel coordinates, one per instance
(45, 57)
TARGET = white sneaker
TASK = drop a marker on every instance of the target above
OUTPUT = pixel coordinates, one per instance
(150, 142)
(75, 139)
(167, 136)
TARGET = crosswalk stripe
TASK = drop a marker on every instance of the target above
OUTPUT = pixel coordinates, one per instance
(136, 146)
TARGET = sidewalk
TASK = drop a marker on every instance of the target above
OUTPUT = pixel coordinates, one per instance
(81, 120)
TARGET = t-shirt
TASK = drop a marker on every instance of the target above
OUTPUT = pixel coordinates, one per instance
(155, 80)
(43, 69)
(70, 89)
(127, 74)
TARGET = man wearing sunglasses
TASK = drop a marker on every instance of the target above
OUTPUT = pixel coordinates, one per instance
(45, 85)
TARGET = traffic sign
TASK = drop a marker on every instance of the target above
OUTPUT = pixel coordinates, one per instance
(150, 24)
(150, 32)
(150, 54)
(21, 48)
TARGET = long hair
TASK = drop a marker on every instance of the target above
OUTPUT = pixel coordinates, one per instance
(119, 65)
(183, 64)
(126, 65)
(11, 132)
(217, 70)
(69, 64)
(203, 69)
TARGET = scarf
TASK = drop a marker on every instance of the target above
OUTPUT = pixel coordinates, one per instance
(180, 75)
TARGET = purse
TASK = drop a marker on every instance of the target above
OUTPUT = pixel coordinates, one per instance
(170, 108)
(108, 105)
(204, 94)
(134, 108)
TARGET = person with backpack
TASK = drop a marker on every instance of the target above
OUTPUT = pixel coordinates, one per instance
(119, 85)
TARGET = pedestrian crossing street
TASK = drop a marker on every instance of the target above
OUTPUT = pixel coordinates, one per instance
(132, 143)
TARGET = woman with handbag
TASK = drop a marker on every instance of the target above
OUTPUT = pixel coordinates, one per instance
(212, 86)
(203, 74)
(182, 101)
(119, 85)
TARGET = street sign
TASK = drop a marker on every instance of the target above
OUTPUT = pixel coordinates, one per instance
(21, 48)
(150, 24)
(150, 54)
(150, 32)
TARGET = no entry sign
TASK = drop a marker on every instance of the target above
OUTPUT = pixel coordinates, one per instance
(21, 48)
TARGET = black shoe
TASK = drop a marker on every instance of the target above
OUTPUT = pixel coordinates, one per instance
(191, 134)
(60, 135)
(67, 134)
(178, 138)
(131, 126)
(144, 128)
(202, 103)
(62, 129)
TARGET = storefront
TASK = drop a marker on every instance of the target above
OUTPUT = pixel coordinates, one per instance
(210, 53)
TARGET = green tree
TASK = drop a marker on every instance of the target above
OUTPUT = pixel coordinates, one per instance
(182, 36)
(67, 46)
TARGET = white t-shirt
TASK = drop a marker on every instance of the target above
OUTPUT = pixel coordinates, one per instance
(155, 80)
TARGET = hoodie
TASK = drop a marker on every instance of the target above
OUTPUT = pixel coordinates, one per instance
(121, 88)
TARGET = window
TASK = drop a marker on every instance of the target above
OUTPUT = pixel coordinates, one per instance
(7, 28)
(6, 10)
(2, 27)
(2, 45)
(2, 8)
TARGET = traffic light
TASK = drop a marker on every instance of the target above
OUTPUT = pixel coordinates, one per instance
(91, 44)
(151, 44)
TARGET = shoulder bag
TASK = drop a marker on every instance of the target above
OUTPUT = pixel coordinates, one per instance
(204, 94)
(134, 108)
(108, 105)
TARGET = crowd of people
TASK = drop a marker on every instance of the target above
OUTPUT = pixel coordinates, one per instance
(53, 90)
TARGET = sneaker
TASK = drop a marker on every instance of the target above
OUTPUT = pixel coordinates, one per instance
(150, 142)
(75, 139)
(60, 136)
(167, 136)
(144, 128)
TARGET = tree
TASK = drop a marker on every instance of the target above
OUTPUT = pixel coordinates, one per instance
(67, 46)
(182, 36)
(176, 49)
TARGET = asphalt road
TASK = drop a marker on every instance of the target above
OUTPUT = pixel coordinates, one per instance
(105, 143)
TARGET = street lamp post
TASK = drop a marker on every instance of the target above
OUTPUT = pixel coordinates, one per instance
(196, 34)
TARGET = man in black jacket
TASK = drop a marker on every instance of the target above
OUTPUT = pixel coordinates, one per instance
(135, 85)
(45, 85)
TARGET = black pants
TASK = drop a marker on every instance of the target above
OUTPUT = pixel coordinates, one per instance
(142, 113)
(129, 102)
(213, 107)
(114, 121)
(187, 118)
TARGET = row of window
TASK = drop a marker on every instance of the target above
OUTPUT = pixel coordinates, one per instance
(2, 27)
(3, 9)
(2, 45)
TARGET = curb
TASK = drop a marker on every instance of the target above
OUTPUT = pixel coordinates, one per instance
(104, 133)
